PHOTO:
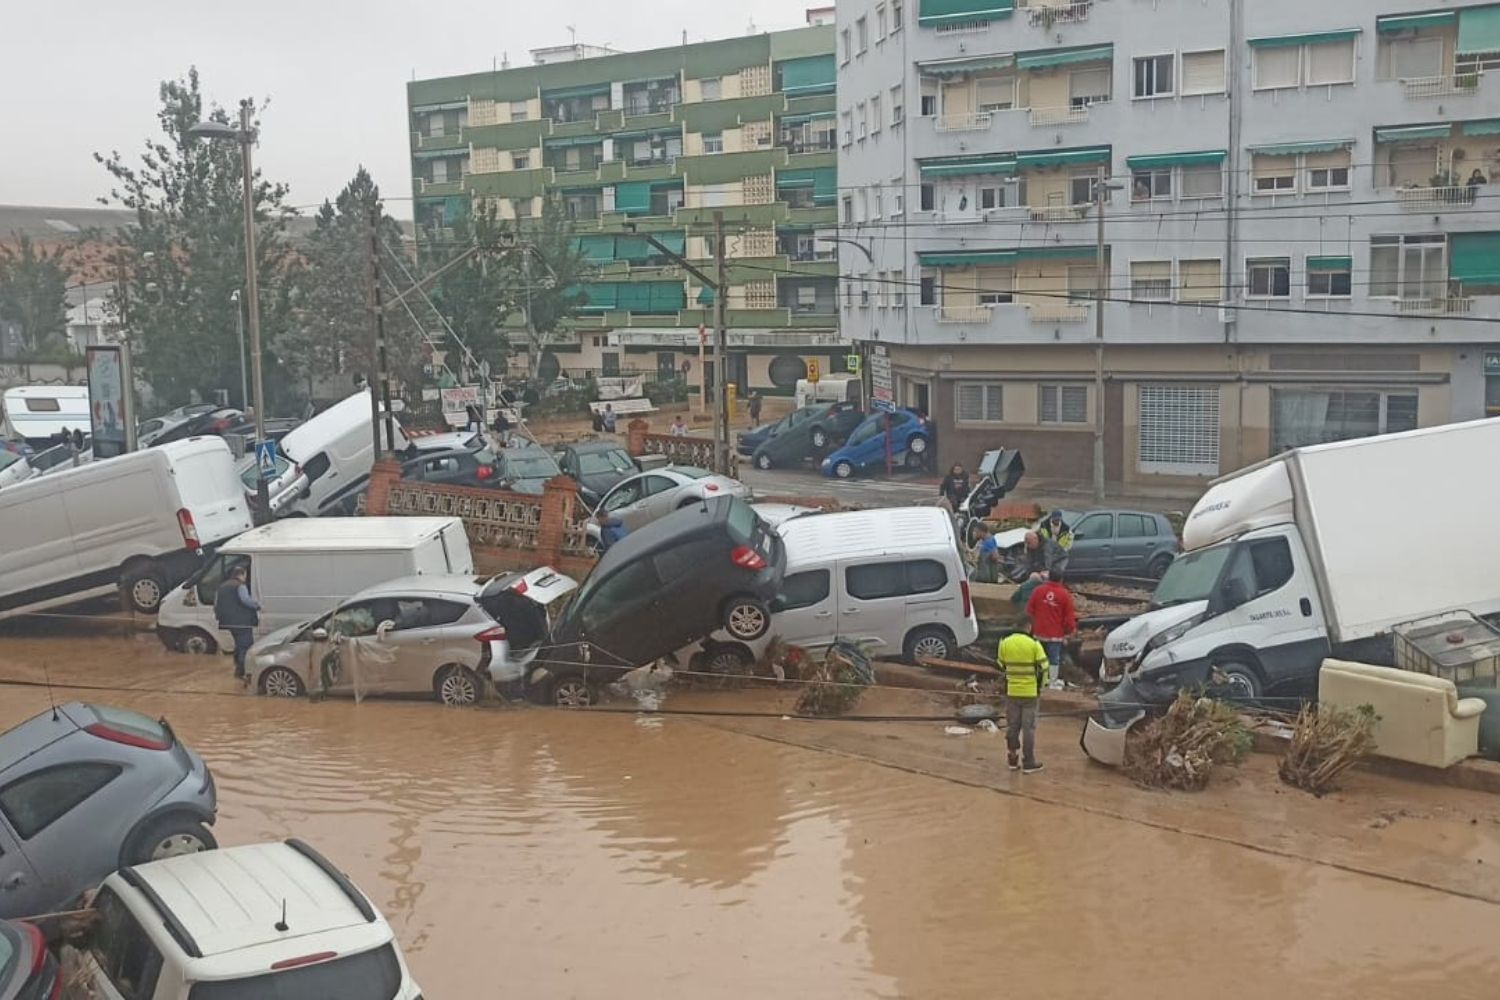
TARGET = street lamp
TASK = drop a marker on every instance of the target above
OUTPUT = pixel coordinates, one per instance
(245, 135)
(1102, 188)
(239, 329)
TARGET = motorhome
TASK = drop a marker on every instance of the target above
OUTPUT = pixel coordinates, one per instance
(37, 414)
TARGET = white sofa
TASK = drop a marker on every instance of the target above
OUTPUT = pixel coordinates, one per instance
(1421, 718)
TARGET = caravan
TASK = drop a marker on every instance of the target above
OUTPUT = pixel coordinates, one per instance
(37, 414)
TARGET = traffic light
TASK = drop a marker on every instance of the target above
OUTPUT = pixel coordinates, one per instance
(814, 370)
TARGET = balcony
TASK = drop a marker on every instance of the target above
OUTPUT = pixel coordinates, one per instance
(1428, 198)
(1057, 213)
(1442, 306)
(1057, 312)
(1059, 116)
(973, 122)
(963, 314)
(455, 141)
(1447, 85)
(1040, 14)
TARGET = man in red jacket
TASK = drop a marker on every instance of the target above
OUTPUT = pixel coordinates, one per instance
(1051, 609)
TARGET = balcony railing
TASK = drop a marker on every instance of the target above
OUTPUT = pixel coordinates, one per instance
(1444, 306)
(1447, 85)
(1060, 116)
(1057, 213)
(963, 314)
(1057, 312)
(1047, 14)
(972, 122)
(1436, 197)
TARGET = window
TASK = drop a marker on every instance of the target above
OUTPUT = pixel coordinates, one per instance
(1062, 404)
(880, 22)
(1273, 174)
(437, 171)
(1316, 416)
(995, 93)
(979, 402)
(846, 120)
(713, 142)
(845, 51)
(898, 111)
(1202, 182)
(807, 298)
(710, 89)
(875, 206)
(1088, 86)
(520, 161)
(123, 950)
(895, 16)
(36, 801)
(519, 111)
(927, 290)
(1096, 527)
(862, 35)
(1330, 63)
(990, 197)
(927, 197)
(861, 120)
(848, 208)
(875, 581)
(1083, 282)
(1276, 67)
(1203, 72)
(1178, 429)
(634, 584)
(1328, 283)
(373, 973)
(1148, 185)
(1151, 280)
(929, 105)
(875, 120)
(1135, 526)
(803, 590)
(898, 199)
(1286, 66)
(1268, 278)
(1199, 280)
(316, 466)
(1271, 559)
(1082, 190)
(1408, 267)
(898, 289)
(1328, 171)
(1409, 58)
(1153, 76)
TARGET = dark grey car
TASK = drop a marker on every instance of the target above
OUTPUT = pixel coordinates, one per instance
(1128, 542)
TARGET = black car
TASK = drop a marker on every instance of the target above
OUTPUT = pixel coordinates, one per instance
(822, 426)
(596, 466)
(456, 468)
(213, 422)
(527, 469)
(701, 568)
(28, 970)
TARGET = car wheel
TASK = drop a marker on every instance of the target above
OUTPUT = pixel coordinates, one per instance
(929, 641)
(917, 445)
(747, 618)
(573, 691)
(279, 682)
(843, 469)
(1157, 568)
(762, 461)
(1241, 680)
(726, 660)
(457, 685)
(819, 438)
(143, 587)
(913, 460)
(198, 642)
(170, 837)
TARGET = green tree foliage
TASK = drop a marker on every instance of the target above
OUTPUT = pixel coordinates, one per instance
(185, 258)
(33, 294)
(550, 284)
(467, 284)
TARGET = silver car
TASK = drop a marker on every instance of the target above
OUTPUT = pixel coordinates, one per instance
(87, 789)
(434, 635)
(642, 498)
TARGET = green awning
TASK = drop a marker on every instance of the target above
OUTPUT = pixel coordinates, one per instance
(1330, 263)
(597, 249)
(810, 75)
(563, 93)
(1411, 22)
(1315, 38)
(675, 242)
(1056, 253)
(633, 196)
(955, 67)
(968, 166)
(650, 296)
(1474, 259)
(1478, 30)
(705, 296)
(1488, 126)
(598, 298)
(824, 182)
(1413, 133)
(972, 258)
(1064, 57)
(577, 140)
(1063, 157)
(1293, 148)
(804, 119)
(1176, 159)
(934, 12)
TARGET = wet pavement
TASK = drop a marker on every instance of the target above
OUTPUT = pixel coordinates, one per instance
(531, 852)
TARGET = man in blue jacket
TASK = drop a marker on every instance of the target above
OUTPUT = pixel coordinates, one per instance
(238, 613)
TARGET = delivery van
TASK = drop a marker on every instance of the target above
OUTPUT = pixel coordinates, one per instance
(298, 569)
(140, 522)
(324, 464)
(829, 389)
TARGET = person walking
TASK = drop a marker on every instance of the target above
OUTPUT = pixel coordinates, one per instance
(1051, 607)
(238, 613)
(1024, 663)
(955, 487)
(754, 407)
(607, 418)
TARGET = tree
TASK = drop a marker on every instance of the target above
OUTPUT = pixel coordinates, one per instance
(470, 285)
(33, 294)
(550, 284)
(184, 259)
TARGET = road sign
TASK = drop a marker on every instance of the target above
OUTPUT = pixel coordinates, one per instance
(851, 364)
(884, 405)
(814, 370)
(881, 387)
(265, 459)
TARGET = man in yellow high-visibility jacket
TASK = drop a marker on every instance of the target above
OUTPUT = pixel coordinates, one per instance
(1023, 660)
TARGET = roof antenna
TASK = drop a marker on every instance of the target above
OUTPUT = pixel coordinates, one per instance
(281, 924)
(47, 676)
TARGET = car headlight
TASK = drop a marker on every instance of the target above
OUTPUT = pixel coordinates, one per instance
(1171, 635)
(827, 462)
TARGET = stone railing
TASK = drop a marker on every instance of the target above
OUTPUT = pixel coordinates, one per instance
(686, 450)
(1057, 312)
(1437, 306)
(963, 314)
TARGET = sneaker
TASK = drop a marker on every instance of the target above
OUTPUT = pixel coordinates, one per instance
(1032, 768)
(1013, 761)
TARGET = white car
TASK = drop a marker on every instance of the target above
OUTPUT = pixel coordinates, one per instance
(642, 498)
(263, 920)
(13, 467)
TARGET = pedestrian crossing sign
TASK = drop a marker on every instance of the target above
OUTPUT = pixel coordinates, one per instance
(851, 364)
(265, 459)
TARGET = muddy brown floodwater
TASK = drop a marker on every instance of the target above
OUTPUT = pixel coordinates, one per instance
(537, 853)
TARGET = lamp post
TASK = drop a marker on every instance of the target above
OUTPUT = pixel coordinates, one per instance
(239, 329)
(1102, 188)
(245, 135)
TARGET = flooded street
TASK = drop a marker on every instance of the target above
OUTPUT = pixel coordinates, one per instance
(530, 852)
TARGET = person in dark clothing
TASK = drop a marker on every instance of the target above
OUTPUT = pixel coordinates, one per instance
(238, 613)
(611, 529)
(754, 407)
(1044, 557)
(955, 487)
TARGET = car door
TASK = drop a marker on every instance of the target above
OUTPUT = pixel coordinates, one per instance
(20, 889)
(69, 835)
(697, 578)
(1093, 544)
(806, 612)
(625, 502)
(357, 620)
(617, 620)
(658, 497)
(425, 637)
(1135, 537)
(872, 601)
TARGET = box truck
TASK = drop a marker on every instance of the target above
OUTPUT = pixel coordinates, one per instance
(1316, 552)
(299, 568)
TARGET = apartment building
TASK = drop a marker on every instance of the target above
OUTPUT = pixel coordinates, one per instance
(1301, 235)
(655, 143)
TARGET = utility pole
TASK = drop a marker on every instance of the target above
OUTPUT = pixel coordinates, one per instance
(721, 334)
(384, 396)
(1101, 195)
(252, 304)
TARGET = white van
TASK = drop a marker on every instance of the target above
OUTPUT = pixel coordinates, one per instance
(323, 464)
(38, 413)
(298, 569)
(258, 921)
(139, 522)
(890, 579)
(830, 389)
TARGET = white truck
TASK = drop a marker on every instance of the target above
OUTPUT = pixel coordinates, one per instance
(299, 568)
(1319, 551)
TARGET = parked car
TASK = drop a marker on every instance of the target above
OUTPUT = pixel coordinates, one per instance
(456, 468)
(28, 970)
(212, 422)
(436, 635)
(706, 566)
(596, 466)
(826, 425)
(1127, 542)
(867, 444)
(259, 921)
(87, 788)
(646, 496)
(147, 431)
(13, 467)
(426, 444)
(527, 469)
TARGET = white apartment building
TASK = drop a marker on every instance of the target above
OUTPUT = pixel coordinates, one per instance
(1302, 222)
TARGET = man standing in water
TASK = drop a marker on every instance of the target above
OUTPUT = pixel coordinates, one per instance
(1024, 663)
(238, 613)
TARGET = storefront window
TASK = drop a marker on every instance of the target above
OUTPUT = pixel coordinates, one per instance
(1302, 417)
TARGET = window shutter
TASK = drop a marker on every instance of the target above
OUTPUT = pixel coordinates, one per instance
(1047, 404)
(1201, 281)
(1277, 66)
(1330, 62)
(1092, 83)
(1203, 72)
(1075, 404)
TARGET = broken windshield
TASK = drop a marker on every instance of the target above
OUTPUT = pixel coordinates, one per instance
(1191, 577)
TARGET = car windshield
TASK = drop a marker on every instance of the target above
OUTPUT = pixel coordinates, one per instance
(369, 975)
(8, 457)
(691, 471)
(594, 463)
(250, 472)
(531, 467)
(1191, 577)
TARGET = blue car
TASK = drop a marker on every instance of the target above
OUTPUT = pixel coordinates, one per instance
(866, 445)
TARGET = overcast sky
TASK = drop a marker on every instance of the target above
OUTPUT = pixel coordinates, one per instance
(82, 75)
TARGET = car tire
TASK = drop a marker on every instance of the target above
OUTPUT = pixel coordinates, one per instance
(917, 445)
(197, 642)
(279, 682)
(573, 691)
(1157, 568)
(843, 469)
(913, 460)
(819, 438)
(457, 686)
(1242, 680)
(762, 461)
(169, 837)
(746, 618)
(724, 659)
(143, 587)
(932, 641)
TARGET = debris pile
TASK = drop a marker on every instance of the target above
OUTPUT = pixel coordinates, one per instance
(1182, 748)
(837, 682)
(1325, 743)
